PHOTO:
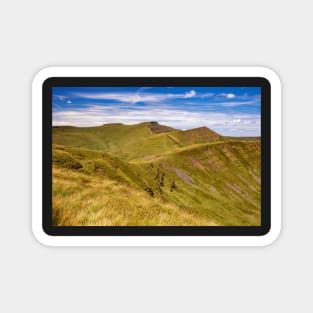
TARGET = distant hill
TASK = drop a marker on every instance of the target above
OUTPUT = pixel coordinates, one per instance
(157, 176)
(156, 128)
(108, 137)
(131, 141)
(196, 135)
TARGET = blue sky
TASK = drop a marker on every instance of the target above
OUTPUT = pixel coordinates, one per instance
(232, 111)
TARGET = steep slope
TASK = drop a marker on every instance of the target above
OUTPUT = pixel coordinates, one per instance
(170, 141)
(217, 182)
(92, 188)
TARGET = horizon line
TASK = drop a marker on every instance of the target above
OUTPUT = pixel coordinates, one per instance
(175, 129)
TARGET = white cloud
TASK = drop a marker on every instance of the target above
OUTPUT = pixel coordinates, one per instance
(135, 97)
(227, 95)
(69, 101)
(237, 103)
(230, 96)
(96, 115)
(190, 94)
(59, 97)
(129, 97)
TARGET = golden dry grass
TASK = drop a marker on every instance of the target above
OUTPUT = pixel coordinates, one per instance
(84, 200)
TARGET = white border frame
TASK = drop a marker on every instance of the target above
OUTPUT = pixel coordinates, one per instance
(276, 149)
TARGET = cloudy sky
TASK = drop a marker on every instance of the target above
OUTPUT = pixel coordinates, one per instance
(232, 111)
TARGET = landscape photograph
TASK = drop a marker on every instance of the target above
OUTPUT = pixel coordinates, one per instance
(156, 156)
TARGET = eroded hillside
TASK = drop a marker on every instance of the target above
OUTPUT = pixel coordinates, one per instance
(196, 174)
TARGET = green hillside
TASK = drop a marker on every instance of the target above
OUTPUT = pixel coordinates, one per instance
(109, 137)
(131, 141)
(150, 174)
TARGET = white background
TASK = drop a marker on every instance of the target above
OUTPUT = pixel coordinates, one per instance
(36, 34)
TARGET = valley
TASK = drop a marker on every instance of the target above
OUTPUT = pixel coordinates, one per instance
(149, 174)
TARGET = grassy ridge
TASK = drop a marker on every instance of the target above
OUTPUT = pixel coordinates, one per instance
(131, 141)
(114, 138)
(198, 175)
(218, 180)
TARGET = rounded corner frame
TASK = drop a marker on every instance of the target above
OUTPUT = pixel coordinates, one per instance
(276, 153)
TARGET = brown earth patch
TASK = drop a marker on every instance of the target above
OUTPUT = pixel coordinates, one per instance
(213, 189)
(236, 188)
(156, 128)
(255, 177)
(197, 164)
(187, 179)
(100, 171)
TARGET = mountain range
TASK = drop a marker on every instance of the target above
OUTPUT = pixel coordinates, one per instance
(150, 174)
